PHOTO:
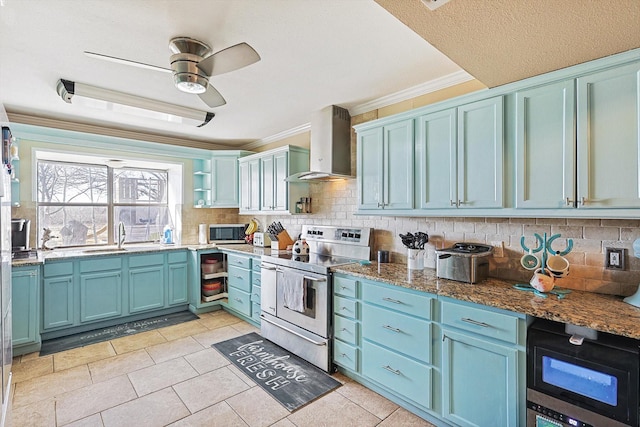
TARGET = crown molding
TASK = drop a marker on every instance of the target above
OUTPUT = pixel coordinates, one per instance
(277, 137)
(413, 92)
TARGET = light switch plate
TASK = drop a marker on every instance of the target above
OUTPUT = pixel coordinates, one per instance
(614, 258)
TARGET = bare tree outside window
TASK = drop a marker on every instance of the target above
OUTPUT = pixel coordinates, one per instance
(74, 201)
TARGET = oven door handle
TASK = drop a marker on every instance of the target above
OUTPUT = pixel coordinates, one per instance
(293, 332)
(268, 267)
(315, 279)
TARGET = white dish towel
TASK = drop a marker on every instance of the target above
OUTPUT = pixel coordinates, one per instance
(293, 290)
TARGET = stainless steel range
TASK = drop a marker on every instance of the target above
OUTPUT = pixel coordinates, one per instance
(296, 290)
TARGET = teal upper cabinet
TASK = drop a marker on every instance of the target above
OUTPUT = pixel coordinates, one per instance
(215, 180)
(436, 160)
(250, 185)
(608, 136)
(263, 188)
(545, 146)
(480, 154)
(385, 165)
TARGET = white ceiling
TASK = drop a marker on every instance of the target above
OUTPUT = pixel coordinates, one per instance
(314, 53)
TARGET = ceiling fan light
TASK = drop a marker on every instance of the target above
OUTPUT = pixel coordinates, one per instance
(190, 83)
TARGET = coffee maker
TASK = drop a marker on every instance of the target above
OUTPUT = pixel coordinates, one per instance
(20, 234)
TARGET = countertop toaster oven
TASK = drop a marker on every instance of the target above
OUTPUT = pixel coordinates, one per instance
(464, 262)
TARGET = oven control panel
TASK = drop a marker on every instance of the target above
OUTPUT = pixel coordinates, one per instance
(549, 417)
(354, 236)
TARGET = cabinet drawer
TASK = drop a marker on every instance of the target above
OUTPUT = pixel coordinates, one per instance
(255, 265)
(176, 257)
(256, 279)
(397, 299)
(58, 269)
(398, 373)
(345, 330)
(345, 355)
(239, 278)
(101, 264)
(483, 322)
(144, 260)
(345, 307)
(400, 332)
(239, 261)
(255, 312)
(345, 287)
(240, 301)
(255, 293)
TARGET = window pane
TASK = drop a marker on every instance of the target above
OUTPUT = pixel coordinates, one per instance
(71, 183)
(142, 223)
(74, 225)
(139, 186)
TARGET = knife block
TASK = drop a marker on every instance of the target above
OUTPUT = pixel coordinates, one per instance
(283, 241)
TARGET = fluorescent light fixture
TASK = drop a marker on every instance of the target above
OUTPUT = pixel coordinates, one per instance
(109, 100)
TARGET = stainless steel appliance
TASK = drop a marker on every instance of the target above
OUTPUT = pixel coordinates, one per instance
(5, 289)
(577, 377)
(20, 232)
(296, 290)
(464, 262)
(225, 234)
(262, 240)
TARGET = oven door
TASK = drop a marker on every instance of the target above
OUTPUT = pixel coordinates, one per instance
(599, 378)
(313, 314)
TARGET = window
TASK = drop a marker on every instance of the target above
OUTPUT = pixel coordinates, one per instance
(82, 204)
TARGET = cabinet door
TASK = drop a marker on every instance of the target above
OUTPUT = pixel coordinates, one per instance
(249, 185)
(177, 284)
(100, 295)
(225, 182)
(608, 138)
(267, 175)
(245, 186)
(57, 302)
(280, 172)
(480, 154)
(479, 382)
(24, 306)
(370, 169)
(146, 288)
(398, 165)
(436, 174)
(545, 147)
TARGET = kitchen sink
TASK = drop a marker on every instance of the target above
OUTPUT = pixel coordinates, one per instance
(132, 248)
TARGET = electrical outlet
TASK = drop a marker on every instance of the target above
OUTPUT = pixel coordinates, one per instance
(498, 249)
(614, 258)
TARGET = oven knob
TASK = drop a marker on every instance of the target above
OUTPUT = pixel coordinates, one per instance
(357, 235)
(344, 234)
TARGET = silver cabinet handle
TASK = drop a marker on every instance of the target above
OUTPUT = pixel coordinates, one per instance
(268, 267)
(583, 201)
(569, 202)
(391, 328)
(395, 301)
(475, 322)
(314, 279)
(393, 371)
(344, 309)
(344, 330)
(238, 299)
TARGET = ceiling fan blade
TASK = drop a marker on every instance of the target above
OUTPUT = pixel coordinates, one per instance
(126, 62)
(229, 59)
(212, 97)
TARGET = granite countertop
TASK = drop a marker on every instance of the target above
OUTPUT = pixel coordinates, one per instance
(604, 313)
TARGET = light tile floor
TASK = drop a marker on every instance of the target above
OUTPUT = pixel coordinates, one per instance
(172, 376)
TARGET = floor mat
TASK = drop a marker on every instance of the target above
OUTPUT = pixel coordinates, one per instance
(98, 335)
(291, 380)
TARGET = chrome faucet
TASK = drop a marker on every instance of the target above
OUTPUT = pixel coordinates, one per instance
(121, 234)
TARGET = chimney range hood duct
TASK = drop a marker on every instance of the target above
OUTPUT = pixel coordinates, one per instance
(330, 147)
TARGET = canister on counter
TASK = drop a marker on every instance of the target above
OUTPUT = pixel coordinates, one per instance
(383, 257)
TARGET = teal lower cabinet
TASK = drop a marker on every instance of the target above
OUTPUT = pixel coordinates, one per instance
(25, 287)
(100, 289)
(483, 365)
(451, 362)
(58, 308)
(89, 292)
(177, 278)
(240, 283)
(146, 282)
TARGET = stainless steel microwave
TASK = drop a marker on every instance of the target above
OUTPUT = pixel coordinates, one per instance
(227, 233)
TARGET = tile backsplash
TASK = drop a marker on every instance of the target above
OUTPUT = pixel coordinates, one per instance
(334, 203)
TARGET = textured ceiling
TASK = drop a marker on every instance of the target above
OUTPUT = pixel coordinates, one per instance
(501, 41)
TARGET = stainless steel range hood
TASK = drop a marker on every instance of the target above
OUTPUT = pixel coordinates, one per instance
(330, 147)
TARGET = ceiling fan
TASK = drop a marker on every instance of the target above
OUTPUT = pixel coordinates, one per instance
(192, 65)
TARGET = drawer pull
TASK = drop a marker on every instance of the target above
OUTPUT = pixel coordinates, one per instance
(391, 328)
(343, 287)
(343, 355)
(395, 301)
(344, 309)
(344, 330)
(239, 277)
(393, 371)
(238, 299)
(475, 322)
